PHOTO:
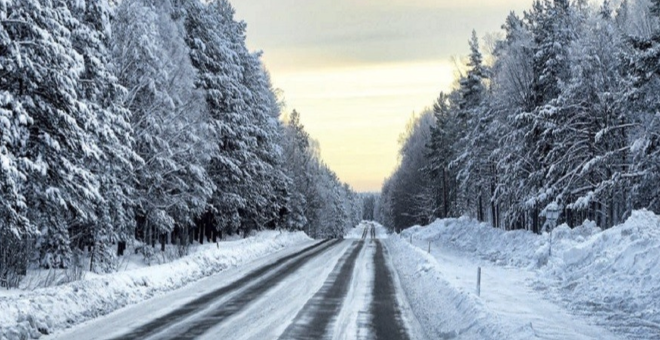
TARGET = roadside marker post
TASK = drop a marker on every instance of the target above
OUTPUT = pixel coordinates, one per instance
(479, 281)
(429, 247)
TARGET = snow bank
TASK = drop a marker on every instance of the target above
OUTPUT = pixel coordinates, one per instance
(489, 243)
(612, 276)
(443, 311)
(44, 310)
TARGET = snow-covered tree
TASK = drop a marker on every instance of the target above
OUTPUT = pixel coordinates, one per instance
(267, 198)
(409, 198)
(476, 172)
(217, 45)
(41, 71)
(319, 204)
(101, 93)
(589, 127)
(441, 153)
(297, 157)
(566, 115)
(642, 98)
(173, 134)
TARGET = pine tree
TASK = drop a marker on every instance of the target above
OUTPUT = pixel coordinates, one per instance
(42, 71)
(14, 225)
(15, 228)
(102, 94)
(655, 7)
(412, 200)
(642, 100)
(550, 25)
(173, 134)
(296, 157)
(512, 95)
(475, 146)
(267, 194)
(217, 44)
(441, 152)
(588, 155)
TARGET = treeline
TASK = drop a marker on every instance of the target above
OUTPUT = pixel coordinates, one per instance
(145, 120)
(562, 114)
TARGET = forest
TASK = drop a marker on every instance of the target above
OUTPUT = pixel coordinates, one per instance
(559, 113)
(144, 123)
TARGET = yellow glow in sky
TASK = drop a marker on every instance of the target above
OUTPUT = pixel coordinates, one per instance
(357, 113)
(356, 70)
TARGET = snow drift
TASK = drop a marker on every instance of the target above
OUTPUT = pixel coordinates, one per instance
(442, 311)
(42, 311)
(612, 276)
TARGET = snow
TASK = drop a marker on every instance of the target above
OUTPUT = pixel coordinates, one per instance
(353, 318)
(356, 232)
(266, 317)
(580, 283)
(43, 311)
(443, 311)
(269, 316)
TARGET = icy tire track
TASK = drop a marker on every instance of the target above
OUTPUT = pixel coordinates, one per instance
(281, 268)
(313, 321)
(387, 322)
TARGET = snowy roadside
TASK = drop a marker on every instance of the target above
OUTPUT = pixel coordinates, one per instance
(33, 313)
(554, 284)
(521, 311)
(443, 311)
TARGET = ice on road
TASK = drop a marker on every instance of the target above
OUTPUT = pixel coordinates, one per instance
(330, 290)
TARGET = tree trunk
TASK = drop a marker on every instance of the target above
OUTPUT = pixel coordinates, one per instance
(121, 246)
(480, 214)
(184, 237)
(445, 193)
(91, 260)
(153, 236)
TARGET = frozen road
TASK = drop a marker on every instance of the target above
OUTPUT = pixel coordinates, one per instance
(334, 289)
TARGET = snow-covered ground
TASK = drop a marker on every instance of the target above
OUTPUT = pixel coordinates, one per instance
(132, 259)
(29, 314)
(582, 283)
(268, 314)
(264, 318)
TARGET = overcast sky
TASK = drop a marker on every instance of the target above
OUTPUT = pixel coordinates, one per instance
(356, 70)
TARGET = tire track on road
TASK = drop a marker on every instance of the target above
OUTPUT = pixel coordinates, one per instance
(387, 321)
(209, 319)
(199, 304)
(313, 321)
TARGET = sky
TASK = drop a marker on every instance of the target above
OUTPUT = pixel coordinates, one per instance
(357, 70)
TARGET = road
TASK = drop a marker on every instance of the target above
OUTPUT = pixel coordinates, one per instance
(332, 289)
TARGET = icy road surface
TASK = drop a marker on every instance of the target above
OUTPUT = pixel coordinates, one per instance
(333, 289)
